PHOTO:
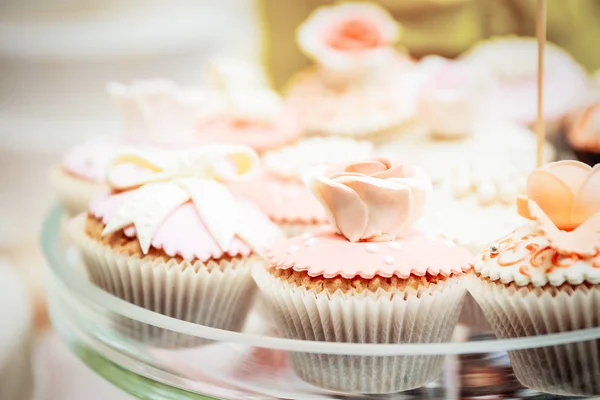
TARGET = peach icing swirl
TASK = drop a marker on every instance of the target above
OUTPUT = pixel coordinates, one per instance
(564, 199)
(372, 200)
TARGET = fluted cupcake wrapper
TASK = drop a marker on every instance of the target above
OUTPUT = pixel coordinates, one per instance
(215, 294)
(75, 194)
(427, 315)
(570, 369)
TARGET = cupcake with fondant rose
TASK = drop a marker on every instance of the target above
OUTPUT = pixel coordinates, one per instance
(358, 86)
(278, 189)
(171, 238)
(154, 113)
(369, 277)
(512, 62)
(584, 135)
(544, 278)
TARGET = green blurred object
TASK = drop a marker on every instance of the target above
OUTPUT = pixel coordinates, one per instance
(445, 27)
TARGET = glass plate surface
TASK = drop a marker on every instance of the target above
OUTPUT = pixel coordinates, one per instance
(253, 364)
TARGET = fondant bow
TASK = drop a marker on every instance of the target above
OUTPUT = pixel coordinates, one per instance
(164, 181)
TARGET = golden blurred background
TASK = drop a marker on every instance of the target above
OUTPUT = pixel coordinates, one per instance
(445, 27)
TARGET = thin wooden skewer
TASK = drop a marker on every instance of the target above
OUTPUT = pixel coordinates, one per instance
(540, 128)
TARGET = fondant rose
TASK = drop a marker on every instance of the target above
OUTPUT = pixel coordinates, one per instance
(564, 198)
(349, 36)
(372, 200)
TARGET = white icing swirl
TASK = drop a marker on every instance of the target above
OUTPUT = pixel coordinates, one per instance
(291, 162)
(526, 257)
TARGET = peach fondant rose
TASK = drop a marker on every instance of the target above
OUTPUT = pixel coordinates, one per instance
(349, 35)
(564, 198)
(373, 200)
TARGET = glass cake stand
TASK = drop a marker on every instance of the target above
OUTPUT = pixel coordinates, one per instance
(252, 364)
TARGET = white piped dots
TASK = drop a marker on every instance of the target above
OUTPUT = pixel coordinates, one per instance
(389, 260)
(310, 242)
(306, 235)
(371, 248)
(395, 246)
(293, 249)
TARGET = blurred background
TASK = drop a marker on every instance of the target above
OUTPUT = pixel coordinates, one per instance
(56, 57)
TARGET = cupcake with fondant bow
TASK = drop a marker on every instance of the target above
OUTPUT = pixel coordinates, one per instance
(370, 277)
(278, 189)
(358, 85)
(544, 278)
(154, 113)
(171, 238)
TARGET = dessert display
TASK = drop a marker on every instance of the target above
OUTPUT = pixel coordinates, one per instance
(278, 189)
(358, 85)
(511, 60)
(233, 243)
(171, 237)
(584, 135)
(370, 277)
(544, 278)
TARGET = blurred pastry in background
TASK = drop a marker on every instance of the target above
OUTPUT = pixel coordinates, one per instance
(584, 135)
(252, 113)
(358, 85)
(512, 63)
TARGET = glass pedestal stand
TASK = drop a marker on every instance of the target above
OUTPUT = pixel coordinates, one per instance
(252, 364)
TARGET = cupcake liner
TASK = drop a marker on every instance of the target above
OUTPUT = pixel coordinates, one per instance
(571, 369)
(426, 315)
(75, 194)
(216, 294)
(293, 229)
(472, 316)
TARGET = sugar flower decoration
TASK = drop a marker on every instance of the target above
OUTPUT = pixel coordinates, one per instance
(163, 181)
(160, 112)
(564, 199)
(346, 36)
(372, 200)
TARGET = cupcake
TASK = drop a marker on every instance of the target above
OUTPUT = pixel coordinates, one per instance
(172, 239)
(584, 135)
(368, 278)
(154, 114)
(278, 190)
(544, 278)
(512, 61)
(253, 114)
(358, 86)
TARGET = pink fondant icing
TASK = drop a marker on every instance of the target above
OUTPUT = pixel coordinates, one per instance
(282, 200)
(328, 254)
(260, 136)
(184, 234)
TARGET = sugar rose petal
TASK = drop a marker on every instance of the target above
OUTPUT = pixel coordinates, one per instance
(388, 205)
(345, 209)
(587, 201)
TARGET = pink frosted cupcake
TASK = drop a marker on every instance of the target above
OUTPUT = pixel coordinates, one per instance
(357, 87)
(544, 278)
(153, 114)
(369, 278)
(171, 238)
(279, 192)
(512, 62)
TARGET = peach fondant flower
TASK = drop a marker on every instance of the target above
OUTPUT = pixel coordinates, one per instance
(372, 200)
(564, 198)
(349, 36)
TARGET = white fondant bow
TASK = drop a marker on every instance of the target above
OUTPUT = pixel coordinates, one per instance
(164, 181)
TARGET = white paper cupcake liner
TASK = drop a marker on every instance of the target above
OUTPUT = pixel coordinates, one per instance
(215, 294)
(472, 316)
(75, 194)
(571, 369)
(428, 315)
